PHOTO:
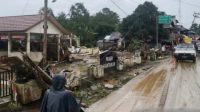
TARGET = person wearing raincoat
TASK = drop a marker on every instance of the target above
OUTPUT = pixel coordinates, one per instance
(56, 99)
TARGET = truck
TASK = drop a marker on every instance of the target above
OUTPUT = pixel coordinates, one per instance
(185, 52)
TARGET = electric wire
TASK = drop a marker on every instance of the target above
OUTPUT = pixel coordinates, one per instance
(25, 6)
(119, 7)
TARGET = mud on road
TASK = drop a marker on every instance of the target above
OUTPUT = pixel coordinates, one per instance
(169, 87)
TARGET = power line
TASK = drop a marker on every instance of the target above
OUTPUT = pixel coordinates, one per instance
(187, 3)
(131, 27)
(195, 15)
(191, 4)
(25, 6)
(119, 7)
(129, 30)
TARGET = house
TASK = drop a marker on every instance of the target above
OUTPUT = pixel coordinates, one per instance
(25, 33)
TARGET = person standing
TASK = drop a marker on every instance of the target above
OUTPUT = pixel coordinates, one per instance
(56, 99)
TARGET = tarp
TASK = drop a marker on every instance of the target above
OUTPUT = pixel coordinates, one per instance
(187, 39)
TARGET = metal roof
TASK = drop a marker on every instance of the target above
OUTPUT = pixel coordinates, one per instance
(26, 22)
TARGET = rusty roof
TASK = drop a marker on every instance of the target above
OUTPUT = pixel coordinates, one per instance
(26, 22)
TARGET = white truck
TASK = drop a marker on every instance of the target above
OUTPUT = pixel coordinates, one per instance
(185, 52)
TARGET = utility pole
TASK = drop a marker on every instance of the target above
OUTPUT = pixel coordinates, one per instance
(45, 32)
(157, 32)
(195, 15)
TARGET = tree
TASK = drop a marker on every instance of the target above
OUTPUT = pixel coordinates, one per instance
(89, 28)
(49, 11)
(62, 19)
(79, 23)
(105, 22)
(135, 44)
(141, 23)
(196, 28)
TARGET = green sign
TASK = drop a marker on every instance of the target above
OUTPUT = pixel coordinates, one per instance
(164, 19)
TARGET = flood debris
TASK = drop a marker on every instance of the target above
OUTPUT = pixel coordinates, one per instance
(29, 79)
(94, 87)
(96, 71)
(91, 74)
(27, 70)
(109, 86)
(29, 91)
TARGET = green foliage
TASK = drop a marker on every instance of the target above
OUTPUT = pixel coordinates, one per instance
(143, 20)
(49, 11)
(78, 20)
(104, 22)
(62, 19)
(78, 23)
(142, 23)
(135, 44)
(196, 28)
(89, 28)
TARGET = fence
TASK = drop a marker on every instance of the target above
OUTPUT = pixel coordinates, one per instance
(5, 86)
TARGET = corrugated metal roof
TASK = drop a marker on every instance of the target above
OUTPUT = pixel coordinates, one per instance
(19, 23)
(26, 22)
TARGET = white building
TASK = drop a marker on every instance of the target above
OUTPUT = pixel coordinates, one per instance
(26, 33)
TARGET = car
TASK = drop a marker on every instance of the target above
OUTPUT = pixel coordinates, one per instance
(185, 52)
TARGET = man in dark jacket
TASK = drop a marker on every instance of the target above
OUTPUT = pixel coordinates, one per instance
(56, 99)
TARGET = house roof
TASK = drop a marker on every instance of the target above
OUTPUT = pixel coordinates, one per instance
(26, 22)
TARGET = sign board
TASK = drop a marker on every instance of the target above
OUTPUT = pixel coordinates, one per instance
(108, 60)
(164, 19)
(3, 37)
(18, 37)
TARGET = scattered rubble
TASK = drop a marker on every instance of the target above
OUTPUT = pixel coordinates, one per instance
(29, 92)
(100, 88)
(85, 73)
(94, 87)
(109, 86)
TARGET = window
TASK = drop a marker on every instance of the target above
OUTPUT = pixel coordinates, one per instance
(52, 47)
(3, 43)
(36, 42)
(18, 42)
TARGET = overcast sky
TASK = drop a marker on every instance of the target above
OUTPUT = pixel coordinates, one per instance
(27, 7)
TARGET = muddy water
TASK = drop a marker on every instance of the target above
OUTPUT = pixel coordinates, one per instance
(166, 88)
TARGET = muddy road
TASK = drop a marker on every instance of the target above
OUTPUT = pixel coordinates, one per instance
(169, 87)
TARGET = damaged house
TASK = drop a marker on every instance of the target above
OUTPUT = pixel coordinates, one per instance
(112, 41)
(25, 33)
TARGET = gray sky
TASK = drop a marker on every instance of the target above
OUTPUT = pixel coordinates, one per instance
(27, 7)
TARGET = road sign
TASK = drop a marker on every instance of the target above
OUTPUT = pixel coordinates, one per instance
(164, 19)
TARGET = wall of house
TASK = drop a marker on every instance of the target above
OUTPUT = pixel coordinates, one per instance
(39, 29)
(3, 53)
(17, 54)
(36, 56)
